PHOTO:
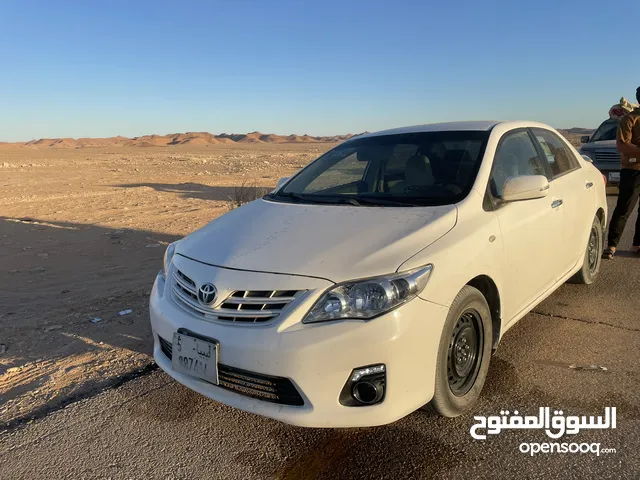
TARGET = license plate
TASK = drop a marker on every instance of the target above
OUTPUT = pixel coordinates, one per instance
(196, 357)
(614, 176)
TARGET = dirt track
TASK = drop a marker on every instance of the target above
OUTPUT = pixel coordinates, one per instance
(82, 234)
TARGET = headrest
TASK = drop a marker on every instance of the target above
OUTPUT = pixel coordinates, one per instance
(418, 170)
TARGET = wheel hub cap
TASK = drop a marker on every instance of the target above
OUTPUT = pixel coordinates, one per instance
(592, 250)
(465, 352)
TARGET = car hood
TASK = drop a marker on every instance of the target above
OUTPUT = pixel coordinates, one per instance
(605, 145)
(333, 242)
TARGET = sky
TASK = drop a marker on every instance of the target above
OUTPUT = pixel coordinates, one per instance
(97, 69)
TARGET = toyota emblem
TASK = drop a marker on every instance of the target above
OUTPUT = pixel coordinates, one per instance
(207, 294)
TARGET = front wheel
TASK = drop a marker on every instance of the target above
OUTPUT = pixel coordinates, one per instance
(463, 354)
(592, 257)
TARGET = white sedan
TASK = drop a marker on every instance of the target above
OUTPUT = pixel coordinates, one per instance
(379, 278)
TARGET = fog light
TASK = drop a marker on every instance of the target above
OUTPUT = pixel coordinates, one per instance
(365, 386)
(361, 372)
(367, 392)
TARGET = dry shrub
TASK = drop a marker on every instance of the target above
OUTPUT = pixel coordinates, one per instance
(248, 191)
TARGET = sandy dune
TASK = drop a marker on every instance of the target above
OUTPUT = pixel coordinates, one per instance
(193, 139)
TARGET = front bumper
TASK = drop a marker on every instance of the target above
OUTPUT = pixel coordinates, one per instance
(316, 358)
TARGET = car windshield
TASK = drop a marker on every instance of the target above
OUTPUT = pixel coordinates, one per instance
(606, 131)
(415, 169)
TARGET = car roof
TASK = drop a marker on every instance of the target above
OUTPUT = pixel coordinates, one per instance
(480, 125)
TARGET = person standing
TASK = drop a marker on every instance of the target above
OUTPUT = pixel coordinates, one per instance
(628, 143)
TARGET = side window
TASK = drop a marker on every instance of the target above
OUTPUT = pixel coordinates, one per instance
(516, 156)
(560, 158)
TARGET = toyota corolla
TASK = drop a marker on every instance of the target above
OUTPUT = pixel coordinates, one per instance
(379, 278)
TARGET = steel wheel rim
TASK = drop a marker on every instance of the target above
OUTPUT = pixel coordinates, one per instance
(592, 250)
(465, 352)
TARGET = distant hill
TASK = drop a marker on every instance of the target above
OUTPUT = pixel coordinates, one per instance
(172, 139)
(577, 130)
(206, 138)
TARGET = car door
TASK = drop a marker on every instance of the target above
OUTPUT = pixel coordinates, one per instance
(572, 186)
(531, 229)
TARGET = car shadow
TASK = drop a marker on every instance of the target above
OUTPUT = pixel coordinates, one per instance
(201, 191)
(62, 288)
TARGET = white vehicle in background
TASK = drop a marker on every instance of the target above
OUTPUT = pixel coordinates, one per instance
(380, 277)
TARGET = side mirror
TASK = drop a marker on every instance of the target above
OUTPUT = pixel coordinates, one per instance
(280, 183)
(586, 158)
(584, 139)
(525, 187)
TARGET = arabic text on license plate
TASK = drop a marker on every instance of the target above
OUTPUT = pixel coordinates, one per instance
(196, 357)
(614, 176)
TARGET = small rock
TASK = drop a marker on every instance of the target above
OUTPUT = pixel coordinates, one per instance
(125, 312)
(96, 320)
(13, 271)
(111, 299)
(43, 255)
(3, 348)
(152, 245)
(588, 367)
(37, 270)
(65, 291)
(53, 327)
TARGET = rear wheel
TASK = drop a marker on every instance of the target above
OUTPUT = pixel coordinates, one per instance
(463, 354)
(592, 257)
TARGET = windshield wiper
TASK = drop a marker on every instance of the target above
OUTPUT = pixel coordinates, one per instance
(386, 201)
(317, 198)
(291, 196)
(346, 200)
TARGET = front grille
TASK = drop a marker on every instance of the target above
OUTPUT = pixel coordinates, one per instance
(607, 156)
(255, 385)
(242, 306)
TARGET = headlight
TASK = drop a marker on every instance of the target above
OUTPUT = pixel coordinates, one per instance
(168, 255)
(365, 299)
(585, 155)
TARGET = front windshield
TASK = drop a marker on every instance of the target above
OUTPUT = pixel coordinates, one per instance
(433, 168)
(606, 131)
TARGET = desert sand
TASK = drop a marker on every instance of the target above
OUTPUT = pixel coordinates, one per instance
(82, 235)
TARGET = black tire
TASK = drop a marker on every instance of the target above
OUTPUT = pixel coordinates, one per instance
(469, 318)
(588, 273)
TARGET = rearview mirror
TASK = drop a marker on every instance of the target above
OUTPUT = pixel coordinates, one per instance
(525, 187)
(280, 183)
(584, 139)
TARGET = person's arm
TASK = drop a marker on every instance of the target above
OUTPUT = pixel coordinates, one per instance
(623, 138)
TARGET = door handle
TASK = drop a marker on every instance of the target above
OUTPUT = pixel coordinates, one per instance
(556, 203)
(588, 184)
